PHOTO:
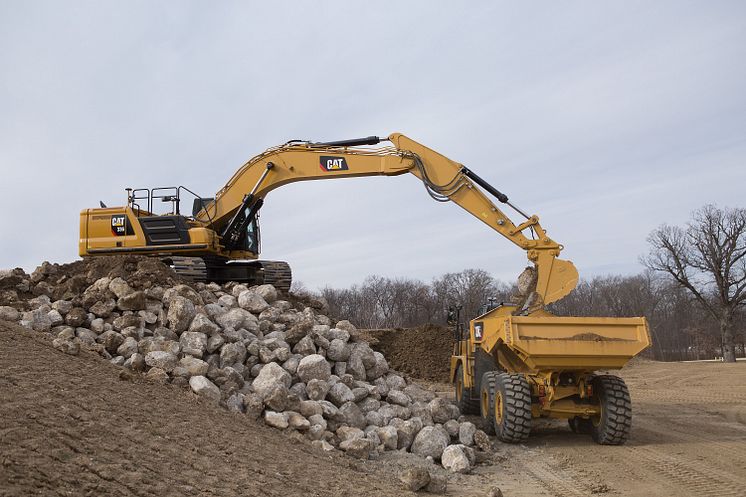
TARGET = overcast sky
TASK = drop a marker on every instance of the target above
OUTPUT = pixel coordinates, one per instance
(604, 118)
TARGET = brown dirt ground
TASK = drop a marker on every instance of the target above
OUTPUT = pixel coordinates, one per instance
(422, 352)
(688, 439)
(70, 426)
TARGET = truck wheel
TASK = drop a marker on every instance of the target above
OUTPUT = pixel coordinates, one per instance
(464, 395)
(511, 407)
(487, 401)
(612, 425)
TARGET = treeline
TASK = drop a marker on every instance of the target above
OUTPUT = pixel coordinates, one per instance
(680, 328)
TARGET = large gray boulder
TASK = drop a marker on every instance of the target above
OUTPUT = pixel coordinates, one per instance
(399, 398)
(111, 340)
(317, 389)
(202, 324)
(380, 368)
(8, 313)
(162, 360)
(128, 347)
(356, 447)
(193, 343)
(267, 292)
(430, 441)
(306, 347)
(389, 437)
(442, 410)
(352, 415)
(205, 388)
(181, 311)
(339, 394)
(276, 419)
(458, 458)
(339, 350)
(238, 318)
(252, 302)
(134, 301)
(120, 288)
(355, 366)
(314, 367)
(232, 353)
(184, 291)
(414, 478)
(103, 308)
(194, 366)
(37, 320)
(269, 377)
(466, 431)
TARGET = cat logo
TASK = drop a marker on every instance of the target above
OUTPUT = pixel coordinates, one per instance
(478, 331)
(333, 163)
(118, 224)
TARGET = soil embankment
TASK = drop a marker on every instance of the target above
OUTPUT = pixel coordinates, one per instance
(423, 352)
(71, 426)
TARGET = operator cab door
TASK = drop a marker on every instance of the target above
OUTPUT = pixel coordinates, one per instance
(252, 236)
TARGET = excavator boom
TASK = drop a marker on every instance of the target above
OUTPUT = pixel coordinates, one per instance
(444, 179)
(223, 229)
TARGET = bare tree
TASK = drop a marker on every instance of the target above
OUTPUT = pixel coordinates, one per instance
(708, 259)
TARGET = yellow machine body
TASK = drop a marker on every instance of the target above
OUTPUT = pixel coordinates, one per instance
(216, 231)
(556, 354)
(117, 230)
(219, 241)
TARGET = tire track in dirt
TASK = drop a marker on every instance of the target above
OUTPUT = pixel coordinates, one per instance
(679, 433)
(557, 482)
(681, 442)
(710, 482)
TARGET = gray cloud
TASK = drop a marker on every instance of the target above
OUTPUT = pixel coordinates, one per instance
(604, 119)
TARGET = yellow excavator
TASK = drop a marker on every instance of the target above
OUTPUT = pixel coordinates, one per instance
(514, 362)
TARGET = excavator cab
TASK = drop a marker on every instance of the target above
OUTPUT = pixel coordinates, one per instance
(252, 235)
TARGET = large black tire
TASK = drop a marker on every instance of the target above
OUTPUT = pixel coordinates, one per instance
(487, 401)
(465, 396)
(613, 424)
(511, 409)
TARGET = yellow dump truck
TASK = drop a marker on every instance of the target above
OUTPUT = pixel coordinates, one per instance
(512, 368)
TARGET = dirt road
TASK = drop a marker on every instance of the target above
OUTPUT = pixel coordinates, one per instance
(688, 439)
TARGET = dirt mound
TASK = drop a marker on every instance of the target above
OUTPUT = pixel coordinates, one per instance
(62, 437)
(423, 352)
(65, 281)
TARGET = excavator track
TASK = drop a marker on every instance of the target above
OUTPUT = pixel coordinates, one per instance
(198, 269)
(277, 274)
(189, 268)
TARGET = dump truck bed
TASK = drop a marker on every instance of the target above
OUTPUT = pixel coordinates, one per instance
(583, 343)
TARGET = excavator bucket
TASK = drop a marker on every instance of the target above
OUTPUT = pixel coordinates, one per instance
(556, 278)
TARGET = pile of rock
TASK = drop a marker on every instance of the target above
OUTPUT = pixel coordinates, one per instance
(254, 353)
